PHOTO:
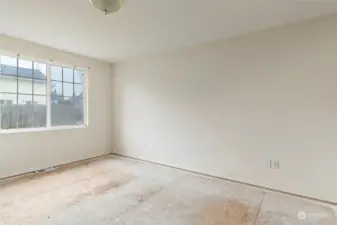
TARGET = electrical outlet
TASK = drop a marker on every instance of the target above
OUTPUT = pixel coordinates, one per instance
(274, 164)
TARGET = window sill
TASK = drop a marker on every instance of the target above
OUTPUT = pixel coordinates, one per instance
(41, 129)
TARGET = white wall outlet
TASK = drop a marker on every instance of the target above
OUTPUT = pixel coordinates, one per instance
(274, 164)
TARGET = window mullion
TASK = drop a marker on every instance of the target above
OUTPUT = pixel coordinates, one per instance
(0, 102)
(48, 95)
(17, 89)
(33, 75)
(85, 98)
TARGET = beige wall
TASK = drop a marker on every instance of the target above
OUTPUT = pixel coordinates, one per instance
(227, 108)
(23, 152)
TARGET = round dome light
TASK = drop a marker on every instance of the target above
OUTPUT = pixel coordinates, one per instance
(107, 6)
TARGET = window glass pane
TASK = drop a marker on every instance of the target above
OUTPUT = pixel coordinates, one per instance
(8, 81)
(29, 114)
(56, 88)
(68, 75)
(8, 84)
(8, 111)
(40, 87)
(39, 100)
(8, 66)
(68, 89)
(68, 98)
(56, 73)
(25, 99)
(79, 111)
(40, 70)
(78, 76)
(4, 102)
(39, 113)
(25, 68)
(78, 90)
(66, 112)
(25, 85)
(8, 98)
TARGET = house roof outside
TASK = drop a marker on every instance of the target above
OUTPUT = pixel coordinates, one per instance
(13, 71)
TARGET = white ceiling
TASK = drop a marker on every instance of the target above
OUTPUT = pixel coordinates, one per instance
(144, 27)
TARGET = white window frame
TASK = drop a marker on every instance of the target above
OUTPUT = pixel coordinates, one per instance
(48, 126)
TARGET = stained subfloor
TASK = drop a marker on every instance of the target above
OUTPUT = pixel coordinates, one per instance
(116, 190)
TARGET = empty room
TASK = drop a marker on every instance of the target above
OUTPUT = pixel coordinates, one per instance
(168, 112)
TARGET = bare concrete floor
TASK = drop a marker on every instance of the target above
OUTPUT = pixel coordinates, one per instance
(115, 190)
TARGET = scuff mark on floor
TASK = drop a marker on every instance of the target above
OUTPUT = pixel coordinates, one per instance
(102, 186)
(224, 211)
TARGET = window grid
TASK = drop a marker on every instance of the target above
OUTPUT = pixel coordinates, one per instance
(33, 79)
(33, 82)
(17, 85)
(62, 82)
(63, 85)
(47, 82)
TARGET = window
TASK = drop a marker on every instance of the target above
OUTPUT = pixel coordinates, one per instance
(66, 96)
(35, 94)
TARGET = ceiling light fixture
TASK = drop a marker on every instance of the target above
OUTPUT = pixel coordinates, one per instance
(107, 6)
